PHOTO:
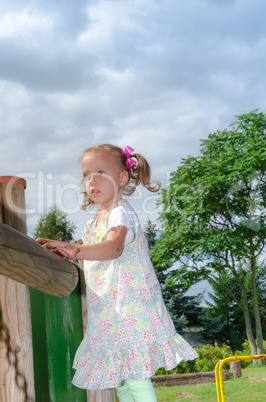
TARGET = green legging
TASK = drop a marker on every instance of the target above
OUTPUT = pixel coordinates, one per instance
(136, 391)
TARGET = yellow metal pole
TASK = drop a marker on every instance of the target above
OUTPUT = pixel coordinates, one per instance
(217, 381)
(219, 372)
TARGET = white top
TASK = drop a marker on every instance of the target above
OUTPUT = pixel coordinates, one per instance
(122, 216)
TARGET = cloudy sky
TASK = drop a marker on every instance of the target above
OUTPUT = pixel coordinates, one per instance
(157, 75)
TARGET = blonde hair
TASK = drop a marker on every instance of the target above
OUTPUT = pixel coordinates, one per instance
(139, 173)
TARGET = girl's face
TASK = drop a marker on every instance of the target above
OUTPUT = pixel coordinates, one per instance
(103, 179)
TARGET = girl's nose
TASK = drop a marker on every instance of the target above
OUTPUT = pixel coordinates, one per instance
(93, 178)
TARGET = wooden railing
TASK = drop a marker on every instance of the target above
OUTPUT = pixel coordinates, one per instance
(26, 261)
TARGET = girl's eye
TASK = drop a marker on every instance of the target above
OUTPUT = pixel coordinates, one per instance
(89, 175)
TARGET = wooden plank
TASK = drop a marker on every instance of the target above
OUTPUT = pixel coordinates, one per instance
(102, 395)
(83, 297)
(26, 261)
(186, 379)
(16, 357)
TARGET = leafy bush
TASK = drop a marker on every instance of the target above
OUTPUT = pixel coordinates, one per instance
(247, 352)
(182, 368)
(208, 357)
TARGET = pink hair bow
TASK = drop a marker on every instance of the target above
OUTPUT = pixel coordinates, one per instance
(129, 162)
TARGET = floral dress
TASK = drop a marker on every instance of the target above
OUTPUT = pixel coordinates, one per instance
(130, 334)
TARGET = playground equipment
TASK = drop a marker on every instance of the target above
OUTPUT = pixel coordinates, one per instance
(219, 372)
(39, 331)
(25, 261)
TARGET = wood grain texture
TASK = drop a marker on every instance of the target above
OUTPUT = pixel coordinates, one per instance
(12, 204)
(102, 395)
(26, 261)
(186, 379)
(83, 296)
(16, 356)
(235, 368)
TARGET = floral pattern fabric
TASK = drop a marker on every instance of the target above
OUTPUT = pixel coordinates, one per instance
(130, 334)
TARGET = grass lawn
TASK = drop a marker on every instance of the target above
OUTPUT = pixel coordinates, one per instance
(250, 387)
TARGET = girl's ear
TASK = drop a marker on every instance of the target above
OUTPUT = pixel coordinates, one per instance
(124, 177)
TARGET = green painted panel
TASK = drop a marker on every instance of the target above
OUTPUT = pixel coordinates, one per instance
(57, 333)
(39, 346)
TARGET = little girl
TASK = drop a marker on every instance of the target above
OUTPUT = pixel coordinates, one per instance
(130, 334)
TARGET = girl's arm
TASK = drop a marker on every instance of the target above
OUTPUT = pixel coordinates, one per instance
(108, 249)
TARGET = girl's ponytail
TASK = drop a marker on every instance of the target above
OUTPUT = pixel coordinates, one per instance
(140, 173)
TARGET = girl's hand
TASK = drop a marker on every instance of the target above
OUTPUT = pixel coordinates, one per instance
(65, 250)
(59, 247)
(49, 243)
(43, 242)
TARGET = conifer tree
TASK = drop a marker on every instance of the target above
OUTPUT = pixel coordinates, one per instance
(184, 310)
(230, 324)
(55, 225)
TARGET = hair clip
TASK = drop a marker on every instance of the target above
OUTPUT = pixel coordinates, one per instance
(129, 162)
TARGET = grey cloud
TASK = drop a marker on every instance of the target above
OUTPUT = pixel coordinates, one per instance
(159, 78)
(54, 71)
(70, 16)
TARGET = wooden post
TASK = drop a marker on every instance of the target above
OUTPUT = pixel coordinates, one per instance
(235, 368)
(16, 356)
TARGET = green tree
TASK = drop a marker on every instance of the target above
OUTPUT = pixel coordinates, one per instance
(230, 323)
(213, 214)
(55, 225)
(184, 310)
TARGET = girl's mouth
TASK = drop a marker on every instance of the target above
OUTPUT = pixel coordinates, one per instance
(95, 192)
